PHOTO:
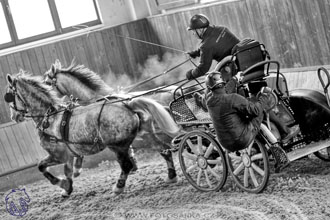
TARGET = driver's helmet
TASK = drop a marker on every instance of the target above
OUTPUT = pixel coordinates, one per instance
(198, 21)
(214, 80)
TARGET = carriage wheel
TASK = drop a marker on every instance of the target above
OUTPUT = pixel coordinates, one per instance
(323, 154)
(250, 167)
(202, 161)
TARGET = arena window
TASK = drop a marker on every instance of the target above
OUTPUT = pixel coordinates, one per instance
(27, 21)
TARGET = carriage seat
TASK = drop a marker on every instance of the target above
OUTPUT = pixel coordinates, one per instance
(247, 53)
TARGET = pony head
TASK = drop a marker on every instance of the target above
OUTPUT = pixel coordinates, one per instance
(26, 93)
(14, 100)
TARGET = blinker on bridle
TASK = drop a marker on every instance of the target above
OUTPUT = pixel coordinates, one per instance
(10, 97)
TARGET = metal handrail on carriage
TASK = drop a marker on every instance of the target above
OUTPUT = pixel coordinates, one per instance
(324, 86)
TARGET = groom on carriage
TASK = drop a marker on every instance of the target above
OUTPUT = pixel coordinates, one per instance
(236, 119)
(217, 43)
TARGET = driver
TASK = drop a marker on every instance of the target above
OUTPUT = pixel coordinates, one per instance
(216, 43)
(236, 119)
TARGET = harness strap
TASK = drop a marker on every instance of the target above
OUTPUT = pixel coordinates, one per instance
(64, 131)
(64, 126)
(53, 140)
(97, 139)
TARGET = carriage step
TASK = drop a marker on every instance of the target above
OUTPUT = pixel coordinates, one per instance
(308, 149)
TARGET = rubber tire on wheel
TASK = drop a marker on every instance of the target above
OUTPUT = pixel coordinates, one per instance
(323, 154)
(202, 161)
(250, 167)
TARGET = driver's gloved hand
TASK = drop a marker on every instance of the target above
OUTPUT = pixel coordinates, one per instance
(200, 101)
(189, 75)
(194, 54)
(238, 77)
(265, 90)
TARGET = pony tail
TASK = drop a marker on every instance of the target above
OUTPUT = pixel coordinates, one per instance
(151, 109)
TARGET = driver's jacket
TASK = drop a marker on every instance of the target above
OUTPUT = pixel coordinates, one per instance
(236, 120)
(217, 43)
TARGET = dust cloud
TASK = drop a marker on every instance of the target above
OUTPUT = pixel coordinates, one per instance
(168, 64)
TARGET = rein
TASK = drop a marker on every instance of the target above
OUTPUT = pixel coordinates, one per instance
(146, 42)
(132, 87)
(119, 99)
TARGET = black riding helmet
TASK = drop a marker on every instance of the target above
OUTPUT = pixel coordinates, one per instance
(214, 80)
(198, 21)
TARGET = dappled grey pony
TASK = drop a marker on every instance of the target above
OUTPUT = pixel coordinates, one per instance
(91, 128)
(86, 86)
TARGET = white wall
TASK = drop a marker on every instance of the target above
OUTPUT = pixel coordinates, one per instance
(141, 8)
(114, 12)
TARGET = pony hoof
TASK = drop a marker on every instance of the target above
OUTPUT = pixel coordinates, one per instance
(117, 190)
(66, 185)
(77, 173)
(65, 194)
(173, 180)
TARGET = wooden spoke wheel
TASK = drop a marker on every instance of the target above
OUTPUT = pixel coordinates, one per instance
(202, 161)
(323, 154)
(250, 167)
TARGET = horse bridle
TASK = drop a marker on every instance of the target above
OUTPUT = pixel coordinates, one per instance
(10, 97)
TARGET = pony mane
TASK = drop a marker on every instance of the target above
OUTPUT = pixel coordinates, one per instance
(83, 75)
(40, 92)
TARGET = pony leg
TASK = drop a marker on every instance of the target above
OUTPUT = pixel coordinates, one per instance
(164, 152)
(126, 166)
(77, 167)
(167, 155)
(66, 184)
(172, 177)
(133, 159)
(44, 164)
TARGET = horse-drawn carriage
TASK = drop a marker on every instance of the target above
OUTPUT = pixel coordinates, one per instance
(114, 122)
(205, 162)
